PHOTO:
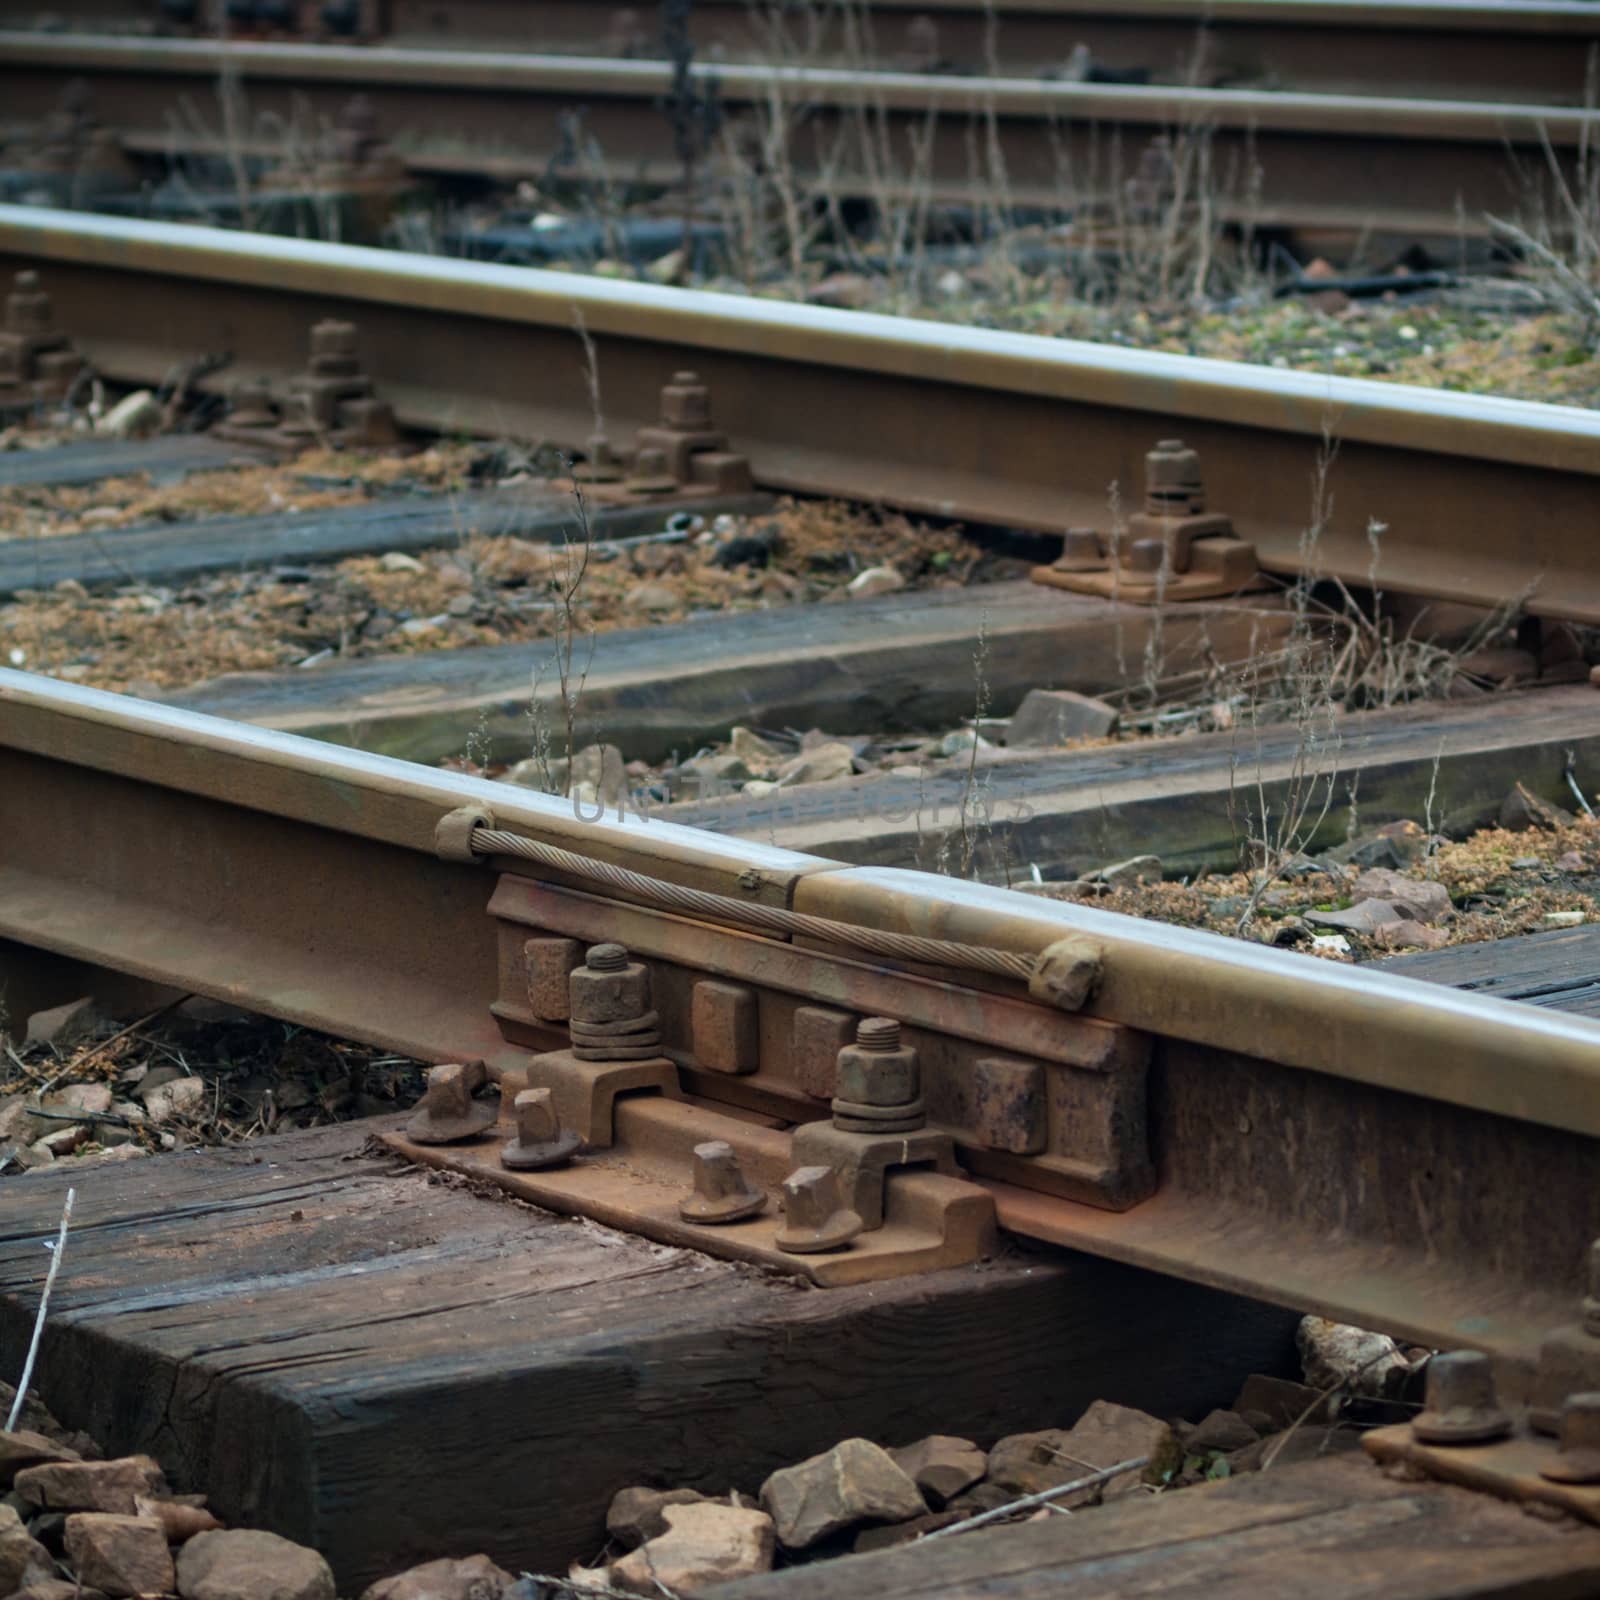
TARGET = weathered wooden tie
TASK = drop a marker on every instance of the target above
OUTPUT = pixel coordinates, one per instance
(391, 1367)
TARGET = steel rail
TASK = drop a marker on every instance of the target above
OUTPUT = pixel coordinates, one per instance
(1410, 164)
(1479, 499)
(1392, 1152)
(1501, 50)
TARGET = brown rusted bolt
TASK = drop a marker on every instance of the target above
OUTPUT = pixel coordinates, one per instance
(879, 1082)
(609, 1001)
(448, 1112)
(1579, 1461)
(721, 1191)
(878, 1070)
(1173, 486)
(1081, 544)
(1461, 1405)
(815, 1219)
(333, 349)
(650, 473)
(27, 306)
(250, 405)
(686, 403)
(608, 987)
(1145, 555)
(541, 1141)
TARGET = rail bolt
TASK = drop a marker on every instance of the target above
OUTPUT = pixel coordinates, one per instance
(1461, 1406)
(608, 987)
(448, 1113)
(333, 349)
(815, 1218)
(722, 1193)
(28, 306)
(250, 405)
(686, 403)
(650, 473)
(879, 1082)
(1579, 1461)
(1173, 486)
(1146, 555)
(541, 1141)
(609, 1004)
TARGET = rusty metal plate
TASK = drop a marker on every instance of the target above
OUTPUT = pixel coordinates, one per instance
(637, 1182)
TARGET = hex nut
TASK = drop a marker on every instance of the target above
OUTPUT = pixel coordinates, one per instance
(608, 987)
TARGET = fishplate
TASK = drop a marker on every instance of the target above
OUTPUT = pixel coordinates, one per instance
(784, 1101)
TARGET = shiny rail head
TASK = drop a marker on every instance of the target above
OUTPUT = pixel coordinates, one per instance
(1314, 113)
(1505, 1058)
(1305, 404)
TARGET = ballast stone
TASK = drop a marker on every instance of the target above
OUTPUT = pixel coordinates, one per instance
(852, 1483)
(941, 1466)
(108, 1486)
(470, 1578)
(705, 1544)
(248, 1564)
(119, 1556)
(23, 1560)
(1058, 716)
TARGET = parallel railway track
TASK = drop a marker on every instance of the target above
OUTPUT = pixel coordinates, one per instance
(1525, 49)
(1349, 163)
(1476, 499)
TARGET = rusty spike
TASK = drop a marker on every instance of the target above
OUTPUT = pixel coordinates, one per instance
(721, 1192)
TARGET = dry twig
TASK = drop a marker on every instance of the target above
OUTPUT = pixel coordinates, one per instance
(59, 1250)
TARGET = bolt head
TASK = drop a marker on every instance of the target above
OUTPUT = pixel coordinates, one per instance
(1461, 1405)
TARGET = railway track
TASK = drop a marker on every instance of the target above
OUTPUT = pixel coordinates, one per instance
(1308, 163)
(990, 428)
(922, 1067)
(1522, 50)
(1240, 1116)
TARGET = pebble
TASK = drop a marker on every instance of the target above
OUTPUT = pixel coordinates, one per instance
(399, 561)
(1336, 1354)
(636, 1513)
(941, 1466)
(875, 580)
(109, 1486)
(650, 597)
(249, 1564)
(855, 1482)
(119, 1555)
(821, 764)
(704, 1545)
(134, 414)
(470, 1578)
(23, 1560)
(1055, 716)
